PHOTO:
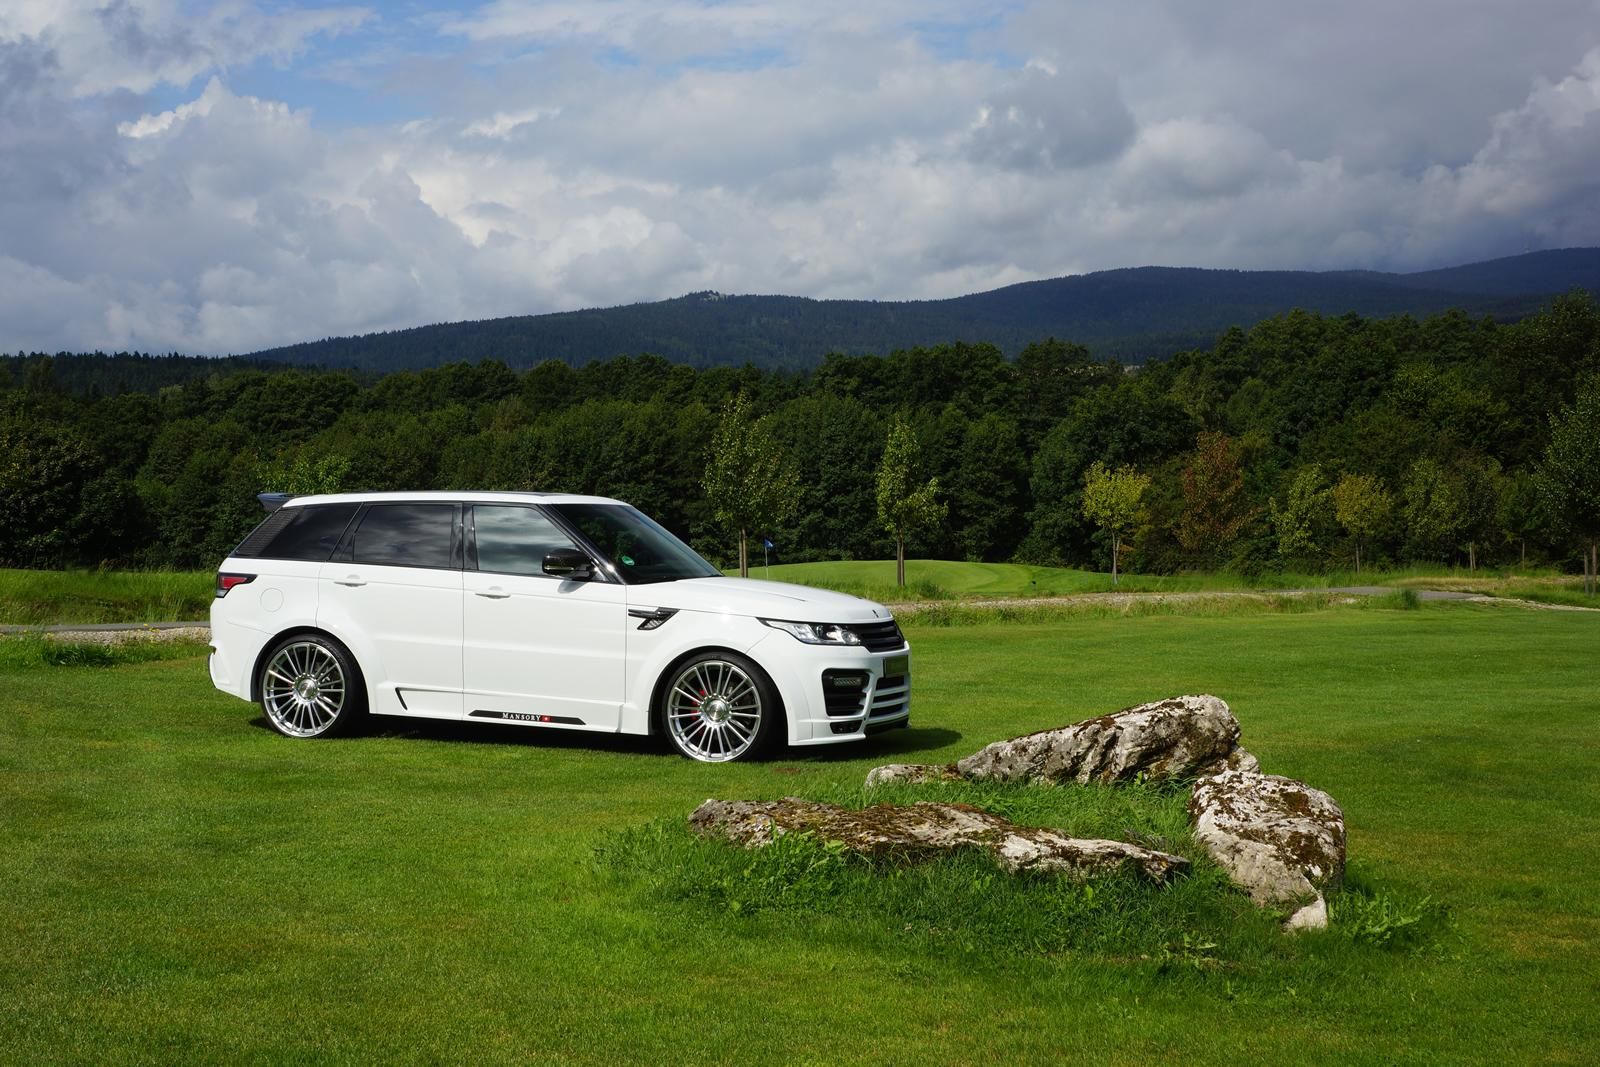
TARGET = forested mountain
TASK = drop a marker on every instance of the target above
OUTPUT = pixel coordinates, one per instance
(1444, 425)
(1132, 315)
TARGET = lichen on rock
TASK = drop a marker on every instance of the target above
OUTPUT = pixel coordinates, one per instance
(1165, 740)
(1279, 840)
(913, 832)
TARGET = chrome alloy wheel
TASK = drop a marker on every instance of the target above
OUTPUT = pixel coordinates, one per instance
(303, 689)
(714, 711)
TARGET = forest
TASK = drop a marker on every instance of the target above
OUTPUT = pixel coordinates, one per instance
(1293, 444)
(1134, 315)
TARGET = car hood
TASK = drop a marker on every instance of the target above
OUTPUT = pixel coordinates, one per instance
(767, 600)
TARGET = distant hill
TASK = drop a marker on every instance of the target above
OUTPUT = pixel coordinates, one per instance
(1134, 314)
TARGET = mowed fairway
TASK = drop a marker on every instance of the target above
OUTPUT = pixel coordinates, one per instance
(179, 883)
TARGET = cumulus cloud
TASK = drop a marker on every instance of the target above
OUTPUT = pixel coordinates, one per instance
(570, 155)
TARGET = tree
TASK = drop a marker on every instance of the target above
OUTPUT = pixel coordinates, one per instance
(906, 504)
(1570, 474)
(749, 484)
(1433, 509)
(1362, 505)
(1302, 522)
(1113, 501)
(1215, 506)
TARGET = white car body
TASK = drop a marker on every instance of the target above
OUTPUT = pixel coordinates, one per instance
(455, 642)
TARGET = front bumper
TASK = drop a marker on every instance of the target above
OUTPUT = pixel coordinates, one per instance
(804, 675)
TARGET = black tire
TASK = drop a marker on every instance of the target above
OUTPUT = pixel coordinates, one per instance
(311, 687)
(718, 707)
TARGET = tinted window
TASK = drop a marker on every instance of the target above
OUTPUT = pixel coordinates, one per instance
(407, 535)
(262, 535)
(515, 540)
(312, 533)
(639, 550)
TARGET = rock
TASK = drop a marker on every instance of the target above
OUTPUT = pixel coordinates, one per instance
(1280, 840)
(920, 831)
(1237, 760)
(1165, 740)
(912, 772)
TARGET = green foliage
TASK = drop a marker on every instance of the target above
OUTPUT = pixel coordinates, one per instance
(1114, 501)
(168, 478)
(1216, 507)
(1570, 473)
(907, 504)
(749, 483)
(1302, 522)
(304, 474)
(1362, 505)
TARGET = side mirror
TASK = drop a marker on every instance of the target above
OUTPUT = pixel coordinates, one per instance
(569, 564)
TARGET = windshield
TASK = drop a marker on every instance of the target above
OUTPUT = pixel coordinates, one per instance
(639, 550)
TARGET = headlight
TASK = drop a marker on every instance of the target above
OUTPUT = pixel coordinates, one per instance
(816, 633)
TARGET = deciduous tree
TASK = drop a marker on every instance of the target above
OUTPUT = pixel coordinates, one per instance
(1215, 505)
(749, 484)
(907, 504)
(1114, 501)
(1570, 473)
(1362, 505)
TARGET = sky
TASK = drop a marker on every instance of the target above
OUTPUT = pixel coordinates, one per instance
(221, 178)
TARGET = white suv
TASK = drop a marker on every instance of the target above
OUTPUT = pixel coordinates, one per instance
(541, 609)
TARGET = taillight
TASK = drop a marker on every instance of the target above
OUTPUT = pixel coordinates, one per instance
(226, 582)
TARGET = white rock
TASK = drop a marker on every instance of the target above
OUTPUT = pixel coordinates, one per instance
(1280, 840)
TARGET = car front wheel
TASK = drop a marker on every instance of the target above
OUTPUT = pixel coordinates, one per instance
(719, 706)
(310, 687)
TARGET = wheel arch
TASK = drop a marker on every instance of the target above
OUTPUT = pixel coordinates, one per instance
(658, 726)
(298, 631)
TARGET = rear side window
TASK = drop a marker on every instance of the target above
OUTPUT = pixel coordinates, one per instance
(515, 540)
(405, 535)
(312, 533)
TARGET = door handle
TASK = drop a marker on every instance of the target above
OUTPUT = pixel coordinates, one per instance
(494, 592)
(352, 580)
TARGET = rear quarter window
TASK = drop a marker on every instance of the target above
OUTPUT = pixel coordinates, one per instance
(313, 534)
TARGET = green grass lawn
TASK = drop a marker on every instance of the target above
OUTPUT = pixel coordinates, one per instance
(933, 579)
(179, 883)
(37, 597)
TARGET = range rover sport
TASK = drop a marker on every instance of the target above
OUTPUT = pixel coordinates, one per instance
(543, 610)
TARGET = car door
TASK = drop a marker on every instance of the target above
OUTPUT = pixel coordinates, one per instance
(393, 591)
(537, 648)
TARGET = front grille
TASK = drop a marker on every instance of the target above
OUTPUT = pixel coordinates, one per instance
(880, 636)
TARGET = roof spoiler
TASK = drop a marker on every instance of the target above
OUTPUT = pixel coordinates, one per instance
(271, 502)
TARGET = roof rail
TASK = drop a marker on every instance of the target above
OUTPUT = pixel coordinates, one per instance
(271, 502)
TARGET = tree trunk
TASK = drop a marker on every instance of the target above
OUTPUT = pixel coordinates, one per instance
(1116, 550)
(1358, 556)
(744, 556)
(1524, 542)
(1592, 564)
(900, 559)
(1472, 558)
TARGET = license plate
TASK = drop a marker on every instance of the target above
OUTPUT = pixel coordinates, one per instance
(896, 665)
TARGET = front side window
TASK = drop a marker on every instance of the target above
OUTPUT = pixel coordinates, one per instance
(515, 540)
(639, 549)
(405, 535)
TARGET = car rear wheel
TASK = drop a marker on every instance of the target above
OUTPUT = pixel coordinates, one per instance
(310, 687)
(719, 707)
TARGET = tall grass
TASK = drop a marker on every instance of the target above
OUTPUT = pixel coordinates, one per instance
(83, 596)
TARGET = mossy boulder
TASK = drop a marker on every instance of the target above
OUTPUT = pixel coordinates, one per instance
(915, 832)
